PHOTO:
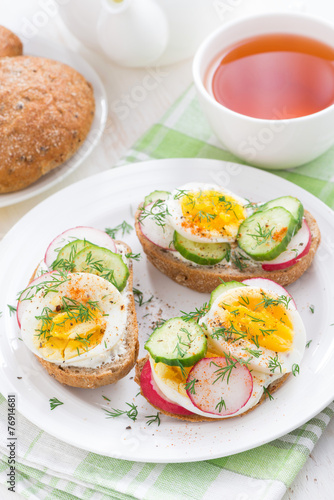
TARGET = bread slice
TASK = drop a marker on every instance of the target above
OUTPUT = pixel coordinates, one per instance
(107, 373)
(207, 278)
(199, 418)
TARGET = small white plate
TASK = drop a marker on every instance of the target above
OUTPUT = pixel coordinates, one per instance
(103, 201)
(42, 47)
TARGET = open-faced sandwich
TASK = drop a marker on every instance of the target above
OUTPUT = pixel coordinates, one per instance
(223, 360)
(77, 314)
(201, 234)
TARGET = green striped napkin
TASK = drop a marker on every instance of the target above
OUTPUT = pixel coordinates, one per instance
(50, 469)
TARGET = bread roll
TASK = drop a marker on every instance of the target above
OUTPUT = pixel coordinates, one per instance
(10, 44)
(46, 111)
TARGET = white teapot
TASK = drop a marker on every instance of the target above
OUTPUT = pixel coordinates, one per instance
(144, 32)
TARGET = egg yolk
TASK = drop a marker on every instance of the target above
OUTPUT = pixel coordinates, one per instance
(258, 317)
(205, 211)
(66, 334)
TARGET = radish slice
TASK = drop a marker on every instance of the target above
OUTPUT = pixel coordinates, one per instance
(47, 278)
(153, 394)
(216, 393)
(269, 286)
(161, 236)
(95, 236)
(298, 247)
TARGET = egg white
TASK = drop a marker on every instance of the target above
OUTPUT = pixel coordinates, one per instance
(175, 215)
(111, 302)
(286, 359)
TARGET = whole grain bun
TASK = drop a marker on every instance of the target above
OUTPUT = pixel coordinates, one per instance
(207, 278)
(107, 373)
(199, 418)
(46, 112)
(10, 44)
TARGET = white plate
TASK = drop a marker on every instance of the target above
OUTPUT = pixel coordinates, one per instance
(103, 201)
(42, 47)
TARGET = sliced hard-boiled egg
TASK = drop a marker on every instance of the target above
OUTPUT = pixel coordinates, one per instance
(258, 327)
(254, 327)
(77, 323)
(206, 212)
(172, 384)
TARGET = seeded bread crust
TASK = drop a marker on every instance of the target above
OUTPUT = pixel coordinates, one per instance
(207, 278)
(10, 44)
(199, 418)
(46, 109)
(108, 373)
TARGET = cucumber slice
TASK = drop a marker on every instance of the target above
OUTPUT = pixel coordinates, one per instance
(103, 262)
(206, 254)
(291, 204)
(266, 234)
(67, 254)
(223, 288)
(177, 342)
(154, 196)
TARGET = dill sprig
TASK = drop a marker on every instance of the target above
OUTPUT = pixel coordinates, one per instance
(239, 261)
(253, 352)
(84, 340)
(262, 234)
(133, 256)
(124, 227)
(54, 402)
(132, 413)
(274, 363)
(139, 297)
(269, 301)
(224, 370)
(243, 301)
(268, 331)
(255, 340)
(195, 315)
(46, 318)
(48, 286)
(74, 310)
(295, 369)
(96, 266)
(12, 309)
(190, 386)
(180, 193)
(180, 365)
(204, 216)
(77, 311)
(67, 264)
(267, 394)
(182, 351)
(255, 320)
(228, 205)
(158, 211)
(153, 418)
(221, 405)
(230, 333)
(158, 323)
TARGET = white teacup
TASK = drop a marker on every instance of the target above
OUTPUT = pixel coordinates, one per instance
(277, 143)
